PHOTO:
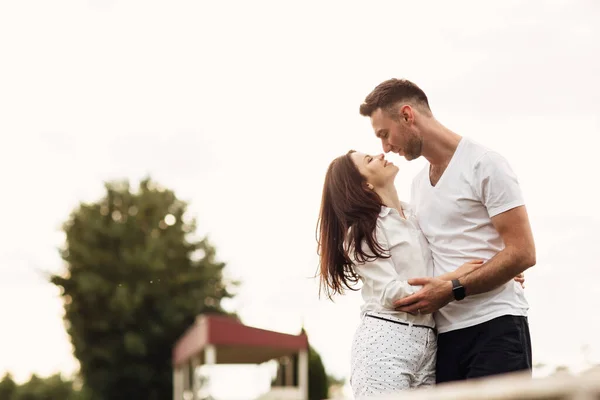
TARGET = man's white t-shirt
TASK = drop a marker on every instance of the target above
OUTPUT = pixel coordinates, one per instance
(455, 216)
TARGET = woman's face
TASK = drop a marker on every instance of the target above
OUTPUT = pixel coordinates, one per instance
(376, 170)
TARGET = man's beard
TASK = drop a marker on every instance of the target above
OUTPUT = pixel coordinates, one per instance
(413, 148)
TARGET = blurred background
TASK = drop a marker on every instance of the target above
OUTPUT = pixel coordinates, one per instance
(164, 159)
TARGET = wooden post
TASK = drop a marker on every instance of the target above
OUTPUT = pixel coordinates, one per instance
(303, 373)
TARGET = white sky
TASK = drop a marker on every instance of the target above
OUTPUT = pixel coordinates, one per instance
(240, 106)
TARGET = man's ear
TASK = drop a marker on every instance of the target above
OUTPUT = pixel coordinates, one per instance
(407, 113)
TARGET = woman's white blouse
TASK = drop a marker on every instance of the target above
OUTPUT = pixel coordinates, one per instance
(385, 279)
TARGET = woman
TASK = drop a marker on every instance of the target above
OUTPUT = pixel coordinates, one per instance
(366, 233)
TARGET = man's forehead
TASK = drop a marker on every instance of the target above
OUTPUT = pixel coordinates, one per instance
(380, 129)
(379, 119)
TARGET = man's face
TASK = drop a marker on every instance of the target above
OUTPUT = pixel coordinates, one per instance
(398, 135)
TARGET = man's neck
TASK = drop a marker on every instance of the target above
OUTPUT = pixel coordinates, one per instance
(439, 143)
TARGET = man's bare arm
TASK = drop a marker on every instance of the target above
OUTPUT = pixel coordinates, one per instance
(517, 255)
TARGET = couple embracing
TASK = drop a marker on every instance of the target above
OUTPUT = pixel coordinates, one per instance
(442, 275)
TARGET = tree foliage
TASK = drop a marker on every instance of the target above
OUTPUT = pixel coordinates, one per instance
(318, 381)
(135, 280)
(7, 387)
(51, 388)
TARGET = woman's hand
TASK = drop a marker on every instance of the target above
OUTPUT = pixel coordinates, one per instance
(521, 279)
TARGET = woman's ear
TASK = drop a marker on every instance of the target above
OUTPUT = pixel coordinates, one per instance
(370, 186)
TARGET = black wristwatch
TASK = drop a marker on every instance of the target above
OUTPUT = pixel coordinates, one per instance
(458, 290)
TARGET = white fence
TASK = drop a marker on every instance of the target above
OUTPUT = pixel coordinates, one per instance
(585, 386)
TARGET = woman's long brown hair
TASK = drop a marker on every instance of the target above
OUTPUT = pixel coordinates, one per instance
(348, 216)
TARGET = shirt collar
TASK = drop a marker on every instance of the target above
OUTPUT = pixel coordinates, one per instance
(385, 210)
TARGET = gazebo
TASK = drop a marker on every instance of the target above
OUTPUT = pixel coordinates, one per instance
(215, 339)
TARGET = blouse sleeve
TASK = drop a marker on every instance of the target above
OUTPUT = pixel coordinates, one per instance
(380, 274)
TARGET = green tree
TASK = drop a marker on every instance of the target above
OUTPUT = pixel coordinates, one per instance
(7, 387)
(318, 382)
(51, 388)
(135, 281)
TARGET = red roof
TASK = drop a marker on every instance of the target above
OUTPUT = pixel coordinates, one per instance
(235, 342)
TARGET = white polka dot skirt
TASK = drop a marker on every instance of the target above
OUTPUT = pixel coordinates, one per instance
(388, 357)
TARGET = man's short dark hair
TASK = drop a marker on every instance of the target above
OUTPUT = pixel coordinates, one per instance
(387, 94)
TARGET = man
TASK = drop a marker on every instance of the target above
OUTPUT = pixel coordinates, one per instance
(469, 206)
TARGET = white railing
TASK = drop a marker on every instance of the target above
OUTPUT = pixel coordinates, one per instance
(283, 393)
(585, 386)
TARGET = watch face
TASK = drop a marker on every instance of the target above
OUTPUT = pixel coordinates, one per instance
(458, 292)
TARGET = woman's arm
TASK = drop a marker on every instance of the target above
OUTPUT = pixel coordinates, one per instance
(463, 270)
(380, 274)
(387, 286)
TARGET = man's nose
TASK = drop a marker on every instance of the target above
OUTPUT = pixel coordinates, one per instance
(386, 147)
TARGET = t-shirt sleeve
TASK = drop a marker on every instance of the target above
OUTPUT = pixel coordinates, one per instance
(496, 184)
